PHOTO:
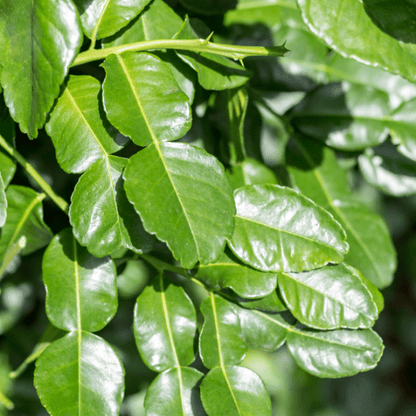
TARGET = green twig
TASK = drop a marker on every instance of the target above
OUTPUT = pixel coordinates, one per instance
(6, 402)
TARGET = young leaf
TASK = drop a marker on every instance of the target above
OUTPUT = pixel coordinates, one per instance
(228, 271)
(91, 136)
(338, 353)
(103, 220)
(3, 203)
(85, 295)
(165, 326)
(278, 229)
(328, 298)
(80, 374)
(234, 391)
(103, 18)
(182, 196)
(175, 392)
(34, 62)
(221, 340)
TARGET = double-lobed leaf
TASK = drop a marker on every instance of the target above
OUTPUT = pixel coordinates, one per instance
(183, 196)
(278, 229)
(40, 39)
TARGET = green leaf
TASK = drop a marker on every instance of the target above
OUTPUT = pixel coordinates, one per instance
(85, 295)
(182, 196)
(209, 7)
(175, 393)
(277, 229)
(235, 391)
(165, 326)
(328, 298)
(34, 62)
(103, 220)
(7, 164)
(221, 340)
(228, 271)
(316, 174)
(345, 27)
(24, 219)
(372, 288)
(91, 136)
(3, 202)
(102, 18)
(158, 109)
(333, 354)
(80, 374)
(347, 116)
(270, 303)
(214, 72)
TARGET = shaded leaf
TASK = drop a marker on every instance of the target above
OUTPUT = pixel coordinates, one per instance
(209, 7)
(102, 18)
(278, 229)
(67, 372)
(328, 298)
(234, 391)
(7, 164)
(84, 297)
(221, 340)
(165, 326)
(90, 136)
(103, 220)
(175, 392)
(228, 271)
(338, 353)
(190, 206)
(158, 109)
(214, 72)
(3, 203)
(34, 62)
(270, 303)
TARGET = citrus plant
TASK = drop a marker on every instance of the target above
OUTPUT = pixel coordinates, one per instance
(215, 183)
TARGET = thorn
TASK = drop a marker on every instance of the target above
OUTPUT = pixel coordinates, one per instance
(208, 38)
(241, 62)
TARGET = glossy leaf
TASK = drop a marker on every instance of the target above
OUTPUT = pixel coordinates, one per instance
(34, 62)
(91, 136)
(102, 18)
(221, 340)
(228, 271)
(269, 303)
(165, 326)
(214, 72)
(3, 203)
(328, 298)
(84, 297)
(234, 391)
(278, 229)
(175, 392)
(190, 206)
(345, 27)
(24, 218)
(103, 220)
(158, 109)
(338, 353)
(80, 374)
(317, 175)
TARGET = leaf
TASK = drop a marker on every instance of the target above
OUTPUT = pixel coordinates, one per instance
(270, 303)
(214, 72)
(165, 326)
(228, 271)
(316, 174)
(221, 340)
(278, 229)
(3, 203)
(347, 116)
(34, 62)
(103, 220)
(80, 374)
(24, 218)
(328, 298)
(7, 164)
(84, 297)
(175, 392)
(182, 196)
(234, 391)
(333, 354)
(103, 18)
(345, 27)
(209, 7)
(91, 136)
(158, 109)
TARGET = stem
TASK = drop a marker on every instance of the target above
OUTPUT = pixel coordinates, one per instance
(61, 203)
(6, 402)
(194, 45)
